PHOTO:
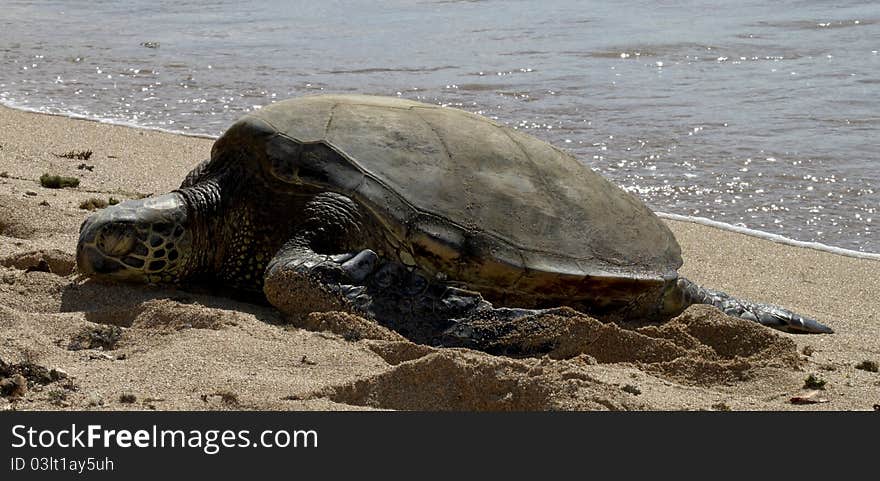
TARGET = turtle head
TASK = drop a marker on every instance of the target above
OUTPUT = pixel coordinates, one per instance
(147, 240)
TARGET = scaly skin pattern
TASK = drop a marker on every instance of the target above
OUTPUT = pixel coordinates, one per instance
(767, 314)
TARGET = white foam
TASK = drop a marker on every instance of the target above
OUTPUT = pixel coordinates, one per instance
(73, 115)
(771, 237)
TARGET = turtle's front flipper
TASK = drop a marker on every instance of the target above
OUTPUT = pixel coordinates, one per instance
(766, 314)
(299, 281)
(315, 270)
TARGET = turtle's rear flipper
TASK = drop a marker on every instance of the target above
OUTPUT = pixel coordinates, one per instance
(766, 314)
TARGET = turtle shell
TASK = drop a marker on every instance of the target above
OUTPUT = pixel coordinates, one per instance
(465, 197)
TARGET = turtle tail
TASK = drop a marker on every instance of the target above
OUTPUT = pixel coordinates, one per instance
(684, 293)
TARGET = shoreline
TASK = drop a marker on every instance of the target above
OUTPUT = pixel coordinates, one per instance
(118, 123)
(176, 346)
(664, 215)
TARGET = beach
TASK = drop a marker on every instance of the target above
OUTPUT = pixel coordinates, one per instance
(86, 345)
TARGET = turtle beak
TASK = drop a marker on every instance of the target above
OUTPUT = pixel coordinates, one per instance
(86, 255)
(104, 238)
(90, 262)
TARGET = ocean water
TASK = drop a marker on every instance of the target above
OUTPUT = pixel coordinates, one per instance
(763, 115)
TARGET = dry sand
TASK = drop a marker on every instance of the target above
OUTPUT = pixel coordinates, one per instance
(70, 344)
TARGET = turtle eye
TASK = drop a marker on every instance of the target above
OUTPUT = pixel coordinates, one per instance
(116, 240)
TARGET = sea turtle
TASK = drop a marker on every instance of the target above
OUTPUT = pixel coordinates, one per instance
(413, 214)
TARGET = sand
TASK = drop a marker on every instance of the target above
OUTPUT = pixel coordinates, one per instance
(69, 343)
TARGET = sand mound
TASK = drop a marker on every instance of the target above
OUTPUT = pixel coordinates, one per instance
(349, 326)
(720, 348)
(170, 314)
(396, 352)
(50, 260)
(701, 345)
(461, 380)
(31, 291)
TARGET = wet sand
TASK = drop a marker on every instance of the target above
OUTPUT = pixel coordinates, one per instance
(66, 343)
